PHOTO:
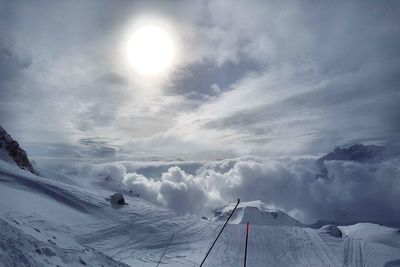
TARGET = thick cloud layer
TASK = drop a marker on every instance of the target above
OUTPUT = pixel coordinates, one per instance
(277, 77)
(352, 191)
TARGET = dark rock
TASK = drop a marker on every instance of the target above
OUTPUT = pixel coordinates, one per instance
(14, 151)
(331, 230)
(117, 200)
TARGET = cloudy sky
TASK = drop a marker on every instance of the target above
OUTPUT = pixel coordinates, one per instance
(254, 91)
(259, 77)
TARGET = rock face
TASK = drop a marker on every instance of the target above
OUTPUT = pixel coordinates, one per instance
(12, 148)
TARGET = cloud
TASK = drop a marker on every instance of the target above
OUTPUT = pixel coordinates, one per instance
(182, 192)
(352, 191)
(205, 79)
(175, 189)
(318, 76)
(295, 78)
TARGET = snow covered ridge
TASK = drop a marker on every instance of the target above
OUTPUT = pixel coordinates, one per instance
(255, 212)
(358, 153)
(11, 151)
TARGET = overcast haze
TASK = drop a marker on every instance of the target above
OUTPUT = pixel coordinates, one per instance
(267, 77)
(257, 91)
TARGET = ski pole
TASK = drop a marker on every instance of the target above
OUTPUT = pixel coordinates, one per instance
(162, 255)
(209, 250)
(245, 248)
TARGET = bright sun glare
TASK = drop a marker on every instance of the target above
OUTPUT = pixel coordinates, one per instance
(150, 50)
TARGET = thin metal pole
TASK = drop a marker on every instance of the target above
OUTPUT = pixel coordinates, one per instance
(245, 248)
(209, 250)
(162, 255)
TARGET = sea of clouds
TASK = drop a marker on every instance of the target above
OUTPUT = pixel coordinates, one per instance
(352, 191)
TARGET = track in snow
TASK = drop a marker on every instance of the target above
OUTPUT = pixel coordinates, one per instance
(331, 259)
(353, 253)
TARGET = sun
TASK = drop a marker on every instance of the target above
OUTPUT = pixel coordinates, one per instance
(150, 50)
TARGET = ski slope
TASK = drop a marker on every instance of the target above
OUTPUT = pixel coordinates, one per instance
(56, 221)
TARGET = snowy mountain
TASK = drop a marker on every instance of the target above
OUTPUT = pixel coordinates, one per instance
(255, 212)
(52, 221)
(46, 222)
(358, 153)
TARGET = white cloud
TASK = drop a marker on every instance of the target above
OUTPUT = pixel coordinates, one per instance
(352, 191)
(296, 77)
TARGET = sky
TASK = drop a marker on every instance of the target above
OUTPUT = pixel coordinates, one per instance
(257, 90)
(266, 77)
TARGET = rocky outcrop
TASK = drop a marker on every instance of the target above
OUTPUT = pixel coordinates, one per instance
(117, 198)
(358, 153)
(12, 148)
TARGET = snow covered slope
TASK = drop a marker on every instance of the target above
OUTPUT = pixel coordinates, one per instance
(52, 221)
(21, 249)
(373, 233)
(70, 218)
(255, 212)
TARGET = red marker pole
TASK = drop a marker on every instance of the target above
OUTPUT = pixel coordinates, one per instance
(245, 248)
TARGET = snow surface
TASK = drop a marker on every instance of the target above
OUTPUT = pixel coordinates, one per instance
(5, 157)
(52, 221)
(255, 212)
